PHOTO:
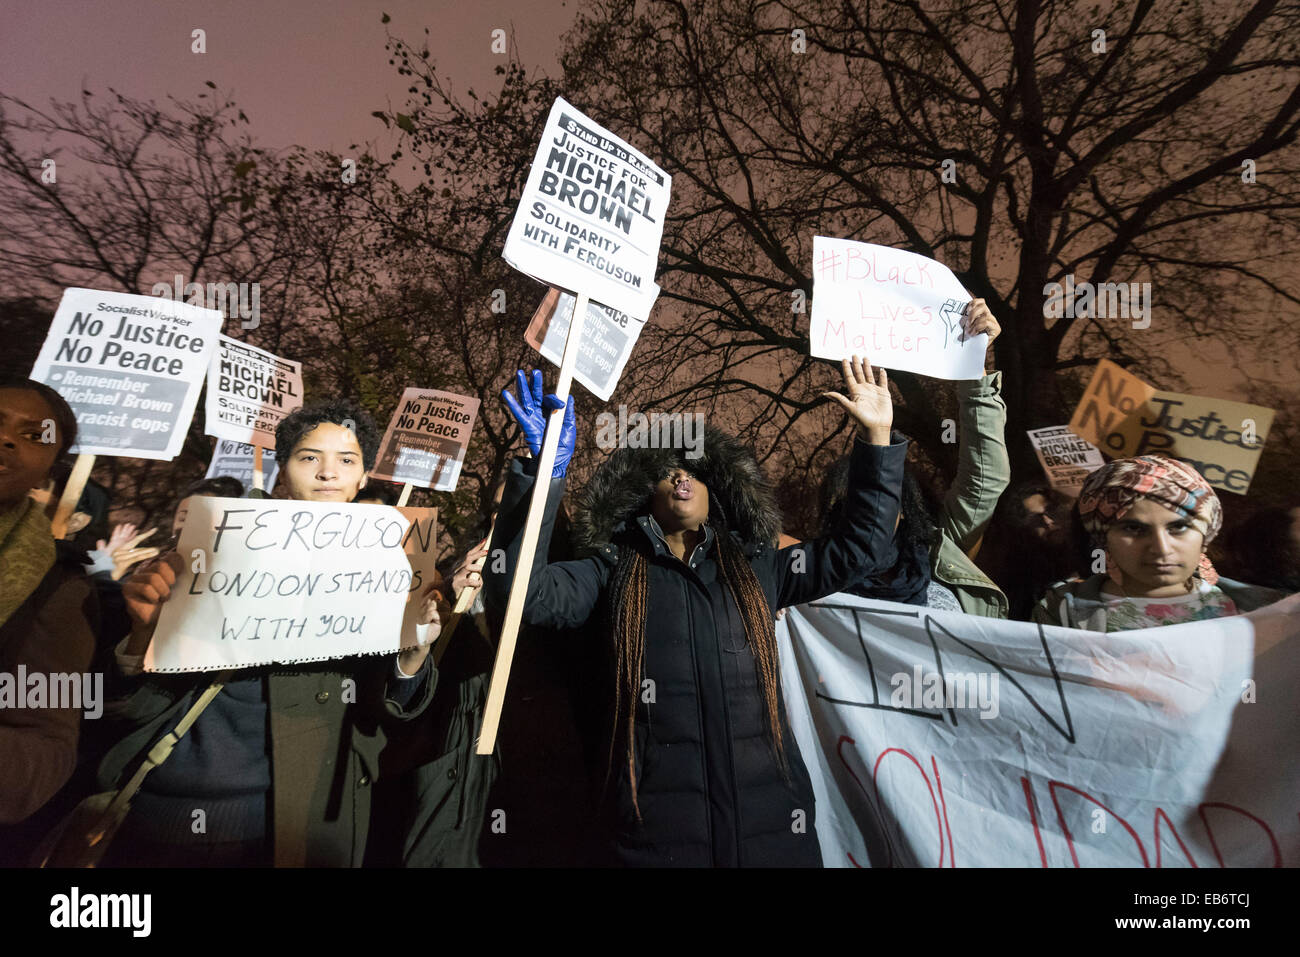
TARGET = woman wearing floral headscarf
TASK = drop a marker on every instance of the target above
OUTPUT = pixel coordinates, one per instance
(1154, 516)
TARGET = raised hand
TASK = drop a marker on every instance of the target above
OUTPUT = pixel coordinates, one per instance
(868, 401)
(531, 411)
(128, 553)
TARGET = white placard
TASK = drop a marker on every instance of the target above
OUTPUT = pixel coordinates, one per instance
(249, 391)
(131, 368)
(608, 338)
(938, 739)
(275, 581)
(1066, 458)
(591, 216)
(900, 310)
(236, 460)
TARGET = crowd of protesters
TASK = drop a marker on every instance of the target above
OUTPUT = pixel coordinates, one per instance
(662, 565)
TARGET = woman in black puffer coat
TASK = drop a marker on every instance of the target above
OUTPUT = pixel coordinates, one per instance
(678, 594)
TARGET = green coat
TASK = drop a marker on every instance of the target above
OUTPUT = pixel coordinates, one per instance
(1080, 603)
(983, 473)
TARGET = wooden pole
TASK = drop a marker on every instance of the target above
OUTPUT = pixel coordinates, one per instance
(257, 468)
(532, 529)
(405, 496)
(462, 605)
(72, 494)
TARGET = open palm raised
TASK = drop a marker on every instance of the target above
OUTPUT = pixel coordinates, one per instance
(868, 400)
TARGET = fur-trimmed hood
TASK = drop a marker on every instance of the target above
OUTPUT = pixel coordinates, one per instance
(740, 496)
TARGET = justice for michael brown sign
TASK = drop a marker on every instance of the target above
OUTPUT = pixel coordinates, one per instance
(1066, 459)
(236, 460)
(272, 581)
(591, 215)
(900, 310)
(249, 392)
(426, 439)
(608, 338)
(131, 368)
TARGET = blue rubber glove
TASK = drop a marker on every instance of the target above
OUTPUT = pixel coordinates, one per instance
(531, 412)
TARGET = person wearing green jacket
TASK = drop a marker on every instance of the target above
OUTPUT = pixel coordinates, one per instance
(933, 566)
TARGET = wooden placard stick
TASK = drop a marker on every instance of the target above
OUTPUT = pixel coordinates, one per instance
(532, 529)
(462, 605)
(72, 494)
(257, 468)
(405, 496)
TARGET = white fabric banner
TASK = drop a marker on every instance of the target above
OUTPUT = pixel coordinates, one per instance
(1043, 746)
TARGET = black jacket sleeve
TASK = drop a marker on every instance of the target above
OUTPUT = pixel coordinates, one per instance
(862, 545)
(560, 595)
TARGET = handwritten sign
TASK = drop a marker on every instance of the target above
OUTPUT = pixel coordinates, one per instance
(1112, 398)
(591, 216)
(131, 368)
(1220, 438)
(608, 338)
(426, 439)
(1066, 459)
(236, 460)
(272, 581)
(936, 739)
(900, 310)
(249, 392)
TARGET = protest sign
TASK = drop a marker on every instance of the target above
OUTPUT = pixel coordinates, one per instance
(900, 310)
(591, 216)
(131, 368)
(939, 739)
(272, 581)
(236, 460)
(608, 338)
(1066, 459)
(1220, 438)
(1112, 397)
(426, 439)
(249, 392)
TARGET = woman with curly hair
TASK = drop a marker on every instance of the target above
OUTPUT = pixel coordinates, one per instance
(1154, 517)
(678, 594)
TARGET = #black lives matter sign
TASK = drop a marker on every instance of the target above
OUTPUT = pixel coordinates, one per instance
(591, 216)
(426, 439)
(130, 367)
(249, 392)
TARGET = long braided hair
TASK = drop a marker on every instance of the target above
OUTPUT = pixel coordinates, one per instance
(626, 613)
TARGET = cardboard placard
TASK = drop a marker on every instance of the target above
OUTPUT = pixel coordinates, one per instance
(249, 392)
(274, 581)
(1112, 397)
(591, 215)
(900, 310)
(131, 368)
(426, 439)
(1221, 438)
(1066, 459)
(236, 460)
(608, 338)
